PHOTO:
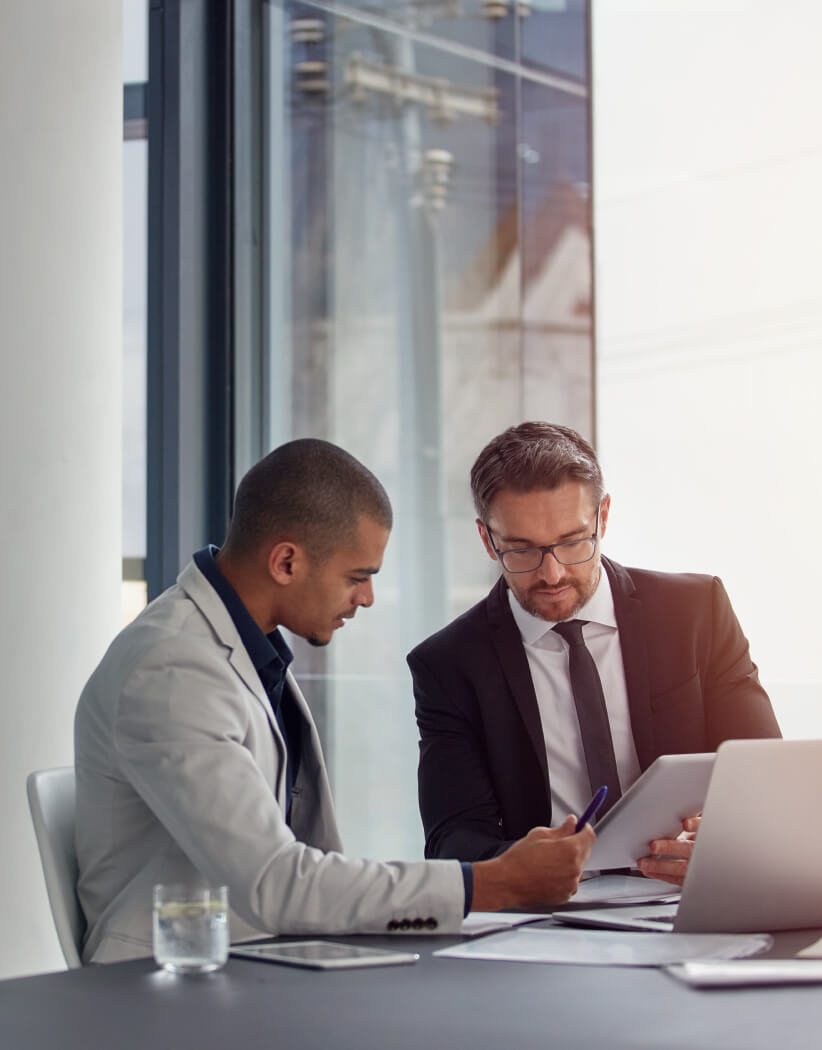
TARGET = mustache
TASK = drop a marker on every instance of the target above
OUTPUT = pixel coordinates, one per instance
(540, 588)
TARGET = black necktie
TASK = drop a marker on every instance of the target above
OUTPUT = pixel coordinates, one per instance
(591, 712)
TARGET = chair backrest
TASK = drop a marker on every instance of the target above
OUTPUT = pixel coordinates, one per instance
(51, 801)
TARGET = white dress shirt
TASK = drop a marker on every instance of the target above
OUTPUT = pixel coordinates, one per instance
(547, 655)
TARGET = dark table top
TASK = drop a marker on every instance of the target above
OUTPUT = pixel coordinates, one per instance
(452, 1003)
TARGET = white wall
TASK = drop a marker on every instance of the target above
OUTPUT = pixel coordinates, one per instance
(60, 348)
(708, 220)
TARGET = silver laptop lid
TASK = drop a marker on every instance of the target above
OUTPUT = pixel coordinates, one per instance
(757, 860)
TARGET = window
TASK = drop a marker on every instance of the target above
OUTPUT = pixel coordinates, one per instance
(372, 225)
(421, 187)
(135, 232)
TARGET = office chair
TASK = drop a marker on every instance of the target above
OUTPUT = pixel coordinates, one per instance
(51, 801)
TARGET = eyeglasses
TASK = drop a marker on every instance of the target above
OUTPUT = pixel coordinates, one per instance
(527, 559)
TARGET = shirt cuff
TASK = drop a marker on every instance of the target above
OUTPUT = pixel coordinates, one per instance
(468, 879)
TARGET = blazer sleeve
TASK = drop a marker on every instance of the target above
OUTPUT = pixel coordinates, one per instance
(460, 811)
(736, 705)
(186, 742)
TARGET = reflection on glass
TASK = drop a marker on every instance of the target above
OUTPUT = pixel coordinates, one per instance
(430, 198)
(490, 27)
(554, 38)
(556, 252)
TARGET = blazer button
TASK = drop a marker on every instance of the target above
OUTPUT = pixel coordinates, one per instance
(392, 926)
(431, 923)
(418, 924)
(405, 924)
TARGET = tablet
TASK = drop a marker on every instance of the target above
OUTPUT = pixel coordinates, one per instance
(672, 787)
(322, 955)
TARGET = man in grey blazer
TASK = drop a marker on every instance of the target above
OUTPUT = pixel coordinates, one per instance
(501, 744)
(197, 758)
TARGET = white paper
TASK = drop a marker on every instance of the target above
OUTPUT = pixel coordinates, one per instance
(749, 972)
(606, 947)
(625, 889)
(602, 889)
(478, 922)
(811, 951)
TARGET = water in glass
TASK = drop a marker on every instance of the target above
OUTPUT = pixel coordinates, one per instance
(190, 930)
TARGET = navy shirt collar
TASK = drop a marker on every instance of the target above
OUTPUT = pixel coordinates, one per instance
(269, 653)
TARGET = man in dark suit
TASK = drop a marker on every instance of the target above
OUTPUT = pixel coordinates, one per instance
(513, 734)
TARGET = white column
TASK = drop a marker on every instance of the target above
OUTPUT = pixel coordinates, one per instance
(60, 410)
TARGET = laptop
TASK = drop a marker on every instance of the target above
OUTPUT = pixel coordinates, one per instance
(757, 860)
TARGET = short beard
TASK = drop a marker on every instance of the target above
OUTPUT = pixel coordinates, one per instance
(318, 643)
(582, 598)
(535, 610)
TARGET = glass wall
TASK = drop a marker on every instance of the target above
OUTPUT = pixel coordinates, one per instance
(135, 233)
(426, 282)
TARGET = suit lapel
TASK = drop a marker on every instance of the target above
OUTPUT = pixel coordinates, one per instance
(241, 663)
(632, 640)
(317, 822)
(211, 605)
(510, 651)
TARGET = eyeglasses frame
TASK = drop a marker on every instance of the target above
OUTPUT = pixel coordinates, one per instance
(592, 539)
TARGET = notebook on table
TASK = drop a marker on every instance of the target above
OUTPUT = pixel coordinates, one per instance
(757, 860)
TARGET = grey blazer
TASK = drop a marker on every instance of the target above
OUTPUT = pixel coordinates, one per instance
(181, 777)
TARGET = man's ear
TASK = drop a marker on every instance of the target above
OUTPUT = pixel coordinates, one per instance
(486, 539)
(604, 508)
(286, 562)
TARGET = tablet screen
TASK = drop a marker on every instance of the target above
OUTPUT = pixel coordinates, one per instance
(672, 787)
(322, 955)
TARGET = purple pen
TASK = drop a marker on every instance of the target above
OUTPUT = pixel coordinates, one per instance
(592, 807)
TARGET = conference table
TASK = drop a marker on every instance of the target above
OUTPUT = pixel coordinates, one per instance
(456, 1004)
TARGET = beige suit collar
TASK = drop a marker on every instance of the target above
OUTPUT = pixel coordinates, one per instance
(199, 590)
(211, 605)
(213, 609)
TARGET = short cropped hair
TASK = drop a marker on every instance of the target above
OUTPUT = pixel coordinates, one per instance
(308, 491)
(533, 456)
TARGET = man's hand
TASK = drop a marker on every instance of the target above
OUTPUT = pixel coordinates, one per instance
(539, 870)
(669, 857)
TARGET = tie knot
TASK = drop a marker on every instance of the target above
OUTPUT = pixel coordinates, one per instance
(571, 631)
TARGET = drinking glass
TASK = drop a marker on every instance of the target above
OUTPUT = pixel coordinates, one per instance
(190, 928)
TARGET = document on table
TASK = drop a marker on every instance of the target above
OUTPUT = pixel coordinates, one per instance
(479, 922)
(606, 947)
(748, 972)
(811, 951)
(601, 889)
(624, 889)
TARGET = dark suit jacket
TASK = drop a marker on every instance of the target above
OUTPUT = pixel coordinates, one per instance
(483, 774)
